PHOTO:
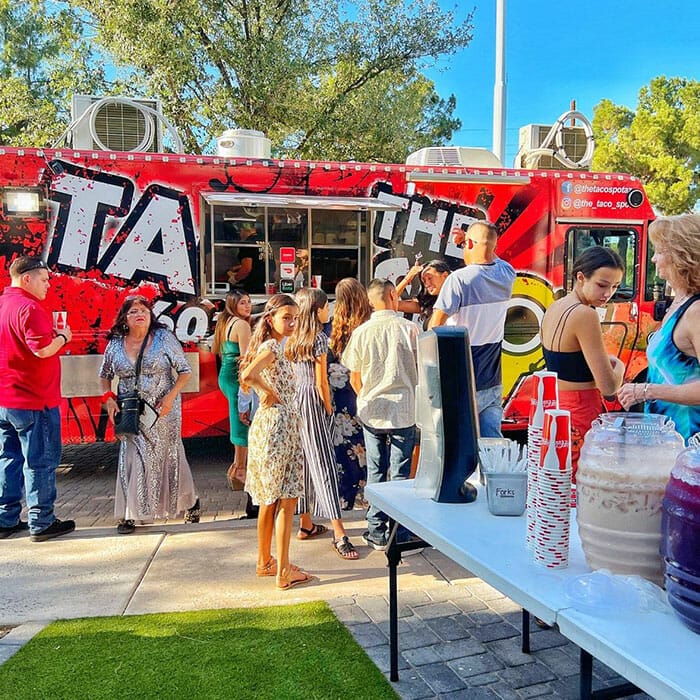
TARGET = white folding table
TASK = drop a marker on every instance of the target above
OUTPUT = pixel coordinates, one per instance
(653, 650)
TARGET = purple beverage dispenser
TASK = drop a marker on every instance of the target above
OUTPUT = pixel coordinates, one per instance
(446, 415)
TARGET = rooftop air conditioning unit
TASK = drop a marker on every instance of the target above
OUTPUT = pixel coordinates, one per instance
(119, 125)
(532, 136)
(441, 156)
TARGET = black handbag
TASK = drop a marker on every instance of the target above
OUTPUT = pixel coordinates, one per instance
(127, 420)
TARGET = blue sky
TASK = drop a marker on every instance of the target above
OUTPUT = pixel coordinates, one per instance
(557, 51)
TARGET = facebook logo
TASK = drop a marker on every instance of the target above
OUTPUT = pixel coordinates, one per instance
(567, 187)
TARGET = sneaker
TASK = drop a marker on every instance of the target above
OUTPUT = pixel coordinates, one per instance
(9, 531)
(379, 545)
(126, 527)
(56, 529)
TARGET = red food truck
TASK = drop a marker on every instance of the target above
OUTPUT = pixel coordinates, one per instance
(175, 226)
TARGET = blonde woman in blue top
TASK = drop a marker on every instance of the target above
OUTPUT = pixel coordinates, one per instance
(673, 378)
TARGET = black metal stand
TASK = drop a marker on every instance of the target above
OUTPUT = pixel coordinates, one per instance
(586, 691)
(525, 634)
(393, 556)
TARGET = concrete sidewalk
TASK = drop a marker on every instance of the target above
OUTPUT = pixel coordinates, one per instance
(459, 638)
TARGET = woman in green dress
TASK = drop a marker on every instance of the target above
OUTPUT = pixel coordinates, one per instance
(231, 338)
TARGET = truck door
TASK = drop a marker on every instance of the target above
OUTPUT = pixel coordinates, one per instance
(620, 318)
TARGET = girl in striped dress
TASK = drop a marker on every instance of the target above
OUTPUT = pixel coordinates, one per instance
(307, 349)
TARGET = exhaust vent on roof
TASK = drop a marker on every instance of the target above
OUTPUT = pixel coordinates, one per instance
(243, 143)
(442, 156)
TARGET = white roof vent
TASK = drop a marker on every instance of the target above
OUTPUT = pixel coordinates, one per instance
(243, 143)
(455, 156)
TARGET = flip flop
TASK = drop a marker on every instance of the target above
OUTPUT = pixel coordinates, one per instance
(284, 584)
(314, 531)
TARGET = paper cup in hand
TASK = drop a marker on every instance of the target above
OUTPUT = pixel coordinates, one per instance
(60, 320)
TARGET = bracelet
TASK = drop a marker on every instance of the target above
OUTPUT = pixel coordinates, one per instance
(60, 335)
(107, 396)
(646, 388)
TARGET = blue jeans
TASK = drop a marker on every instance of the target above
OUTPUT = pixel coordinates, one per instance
(489, 404)
(30, 443)
(388, 453)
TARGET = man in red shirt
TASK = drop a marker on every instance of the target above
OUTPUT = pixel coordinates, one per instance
(30, 392)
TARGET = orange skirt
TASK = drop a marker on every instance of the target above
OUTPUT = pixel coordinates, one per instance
(585, 406)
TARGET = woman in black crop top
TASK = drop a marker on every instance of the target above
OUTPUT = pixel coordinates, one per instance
(572, 342)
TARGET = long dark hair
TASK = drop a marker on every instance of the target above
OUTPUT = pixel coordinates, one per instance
(351, 309)
(228, 312)
(120, 329)
(300, 347)
(593, 259)
(263, 329)
(425, 300)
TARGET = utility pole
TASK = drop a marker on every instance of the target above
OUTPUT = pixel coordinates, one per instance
(499, 88)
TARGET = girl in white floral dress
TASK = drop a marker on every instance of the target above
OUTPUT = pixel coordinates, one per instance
(274, 478)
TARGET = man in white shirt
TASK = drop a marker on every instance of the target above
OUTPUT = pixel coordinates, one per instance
(381, 357)
(477, 297)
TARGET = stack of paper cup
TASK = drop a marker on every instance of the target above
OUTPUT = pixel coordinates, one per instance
(545, 397)
(553, 519)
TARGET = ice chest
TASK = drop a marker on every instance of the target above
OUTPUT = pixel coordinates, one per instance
(506, 492)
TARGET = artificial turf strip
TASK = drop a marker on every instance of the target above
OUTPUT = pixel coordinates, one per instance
(289, 651)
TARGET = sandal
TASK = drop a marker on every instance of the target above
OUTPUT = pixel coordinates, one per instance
(314, 531)
(234, 483)
(295, 577)
(344, 548)
(193, 514)
(269, 569)
(125, 527)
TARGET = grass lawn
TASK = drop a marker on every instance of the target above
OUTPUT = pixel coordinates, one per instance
(296, 651)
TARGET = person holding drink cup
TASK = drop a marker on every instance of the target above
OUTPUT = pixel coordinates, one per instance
(30, 393)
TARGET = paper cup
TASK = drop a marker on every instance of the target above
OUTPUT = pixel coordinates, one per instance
(546, 396)
(270, 288)
(316, 281)
(60, 320)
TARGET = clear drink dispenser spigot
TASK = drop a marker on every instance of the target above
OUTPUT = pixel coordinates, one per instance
(446, 415)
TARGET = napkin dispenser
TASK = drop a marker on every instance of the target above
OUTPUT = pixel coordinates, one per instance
(446, 415)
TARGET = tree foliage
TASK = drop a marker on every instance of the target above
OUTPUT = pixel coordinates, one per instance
(659, 142)
(45, 57)
(325, 79)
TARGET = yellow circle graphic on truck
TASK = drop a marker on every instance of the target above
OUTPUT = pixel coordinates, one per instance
(522, 346)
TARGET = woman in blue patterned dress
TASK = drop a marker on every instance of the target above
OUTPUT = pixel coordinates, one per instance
(351, 309)
(153, 476)
(673, 378)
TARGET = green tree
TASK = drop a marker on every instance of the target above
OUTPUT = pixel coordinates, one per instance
(44, 58)
(659, 142)
(322, 79)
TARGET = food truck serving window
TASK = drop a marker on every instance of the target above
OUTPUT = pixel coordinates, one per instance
(243, 235)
